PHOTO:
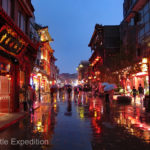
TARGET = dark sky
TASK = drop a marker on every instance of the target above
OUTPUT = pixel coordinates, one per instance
(71, 24)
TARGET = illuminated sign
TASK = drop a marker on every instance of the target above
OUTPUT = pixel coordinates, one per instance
(10, 41)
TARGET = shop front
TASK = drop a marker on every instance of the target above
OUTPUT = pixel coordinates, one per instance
(17, 55)
(5, 85)
(141, 78)
(135, 79)
(40, 83)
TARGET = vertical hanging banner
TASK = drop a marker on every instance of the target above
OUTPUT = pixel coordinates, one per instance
(10, 41)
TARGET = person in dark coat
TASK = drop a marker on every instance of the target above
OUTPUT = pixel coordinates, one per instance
(107, 100)
(52, 91)
(141, 93)
(69, 90)
(134, 91)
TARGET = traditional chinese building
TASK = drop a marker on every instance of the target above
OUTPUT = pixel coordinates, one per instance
(45, 71)
(105, 44)
(17, 52)
(136, 17)
(42, 70)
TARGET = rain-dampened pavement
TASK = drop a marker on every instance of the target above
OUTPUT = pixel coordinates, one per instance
(80, 123)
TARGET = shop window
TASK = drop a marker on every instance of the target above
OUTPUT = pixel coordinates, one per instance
(6, 5)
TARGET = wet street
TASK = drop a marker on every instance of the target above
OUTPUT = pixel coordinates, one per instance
(80, 123)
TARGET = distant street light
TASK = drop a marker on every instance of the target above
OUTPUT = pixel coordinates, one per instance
(81, 66)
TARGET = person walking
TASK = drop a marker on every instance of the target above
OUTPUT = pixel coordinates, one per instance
(107, 99)
(23, 98)
(134, 91)
(52, 91)
(30, 98)
(69, 90)
(141, 93)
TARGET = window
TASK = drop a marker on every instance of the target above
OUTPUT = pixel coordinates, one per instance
(6, 5)
(146, 8)
(131, 22)
(146, 17)
(147, 27)
(21, 22)
(141, 32)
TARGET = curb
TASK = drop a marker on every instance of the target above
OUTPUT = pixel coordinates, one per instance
(12, 122)
(16, 120)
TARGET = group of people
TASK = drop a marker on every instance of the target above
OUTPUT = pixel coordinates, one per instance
(140, 91)
(134, 93)
(54, 90)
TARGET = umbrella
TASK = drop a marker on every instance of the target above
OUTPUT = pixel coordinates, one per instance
(105, 84)
(54, 86)
(68, 85)
(110, 87)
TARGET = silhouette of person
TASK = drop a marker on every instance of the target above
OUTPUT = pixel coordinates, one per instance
(69, 90)
(134, 91)
(141, 92)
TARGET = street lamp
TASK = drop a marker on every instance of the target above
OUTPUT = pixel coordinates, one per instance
(81, 66)
(39, 76)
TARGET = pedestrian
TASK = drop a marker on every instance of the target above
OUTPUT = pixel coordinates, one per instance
(60, 92)
(30, 98)
(76, 90)
(22, 98)
(141, 93)
(107, 99)
(134, 92)
(107, 102)
(69, 90)
(52, 91)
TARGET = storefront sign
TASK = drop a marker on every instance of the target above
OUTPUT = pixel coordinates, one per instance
(10, 41)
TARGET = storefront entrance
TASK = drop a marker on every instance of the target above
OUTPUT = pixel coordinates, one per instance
(4, 94)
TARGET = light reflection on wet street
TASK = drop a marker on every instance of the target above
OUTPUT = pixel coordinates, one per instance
(82, 123)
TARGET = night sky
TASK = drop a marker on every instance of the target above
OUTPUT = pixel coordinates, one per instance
(71, 24)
